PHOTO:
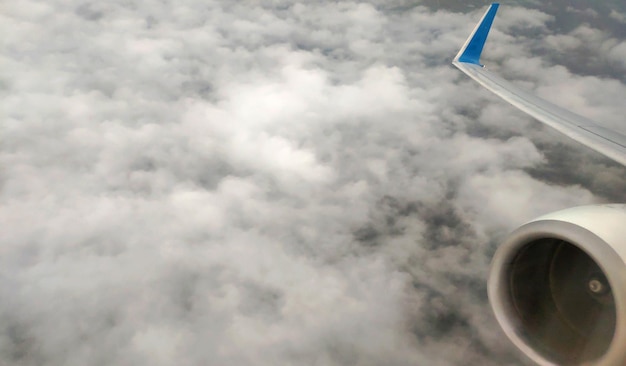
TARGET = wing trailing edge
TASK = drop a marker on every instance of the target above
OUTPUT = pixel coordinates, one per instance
(602, 139)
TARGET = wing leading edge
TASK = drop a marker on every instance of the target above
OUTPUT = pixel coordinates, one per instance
(604, 140)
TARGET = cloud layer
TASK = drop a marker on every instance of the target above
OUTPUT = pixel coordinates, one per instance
(272, 183)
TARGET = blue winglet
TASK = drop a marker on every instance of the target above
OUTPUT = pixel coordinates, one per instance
(470, 53)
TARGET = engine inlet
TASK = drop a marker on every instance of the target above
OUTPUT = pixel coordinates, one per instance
(563, 301)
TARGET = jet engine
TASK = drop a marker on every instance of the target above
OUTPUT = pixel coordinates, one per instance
(557, 287)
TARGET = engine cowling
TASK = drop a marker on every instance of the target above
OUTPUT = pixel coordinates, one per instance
(557, 286)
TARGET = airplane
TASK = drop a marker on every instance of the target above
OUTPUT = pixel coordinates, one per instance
(557, 284)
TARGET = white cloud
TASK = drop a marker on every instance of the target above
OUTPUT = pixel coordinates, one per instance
(515, 17)
(267, 183)
(587, 11)
(620, 17)
(607, 51)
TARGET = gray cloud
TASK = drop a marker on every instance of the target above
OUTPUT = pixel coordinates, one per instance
(273, 183)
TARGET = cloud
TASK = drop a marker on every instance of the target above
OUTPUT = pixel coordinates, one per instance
(588, 11)
(268, 183)
(620, 17)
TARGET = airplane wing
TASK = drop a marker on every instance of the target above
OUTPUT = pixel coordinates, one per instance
(604, 140)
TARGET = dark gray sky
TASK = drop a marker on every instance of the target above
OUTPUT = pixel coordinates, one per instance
(279, 183)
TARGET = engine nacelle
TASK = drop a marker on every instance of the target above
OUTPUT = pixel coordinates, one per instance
(558, 287)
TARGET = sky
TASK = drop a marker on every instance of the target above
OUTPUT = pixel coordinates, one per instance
(281, 183)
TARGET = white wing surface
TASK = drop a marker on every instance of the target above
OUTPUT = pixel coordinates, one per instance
(604, 140)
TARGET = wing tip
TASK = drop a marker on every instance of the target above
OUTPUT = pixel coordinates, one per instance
(473, 47)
